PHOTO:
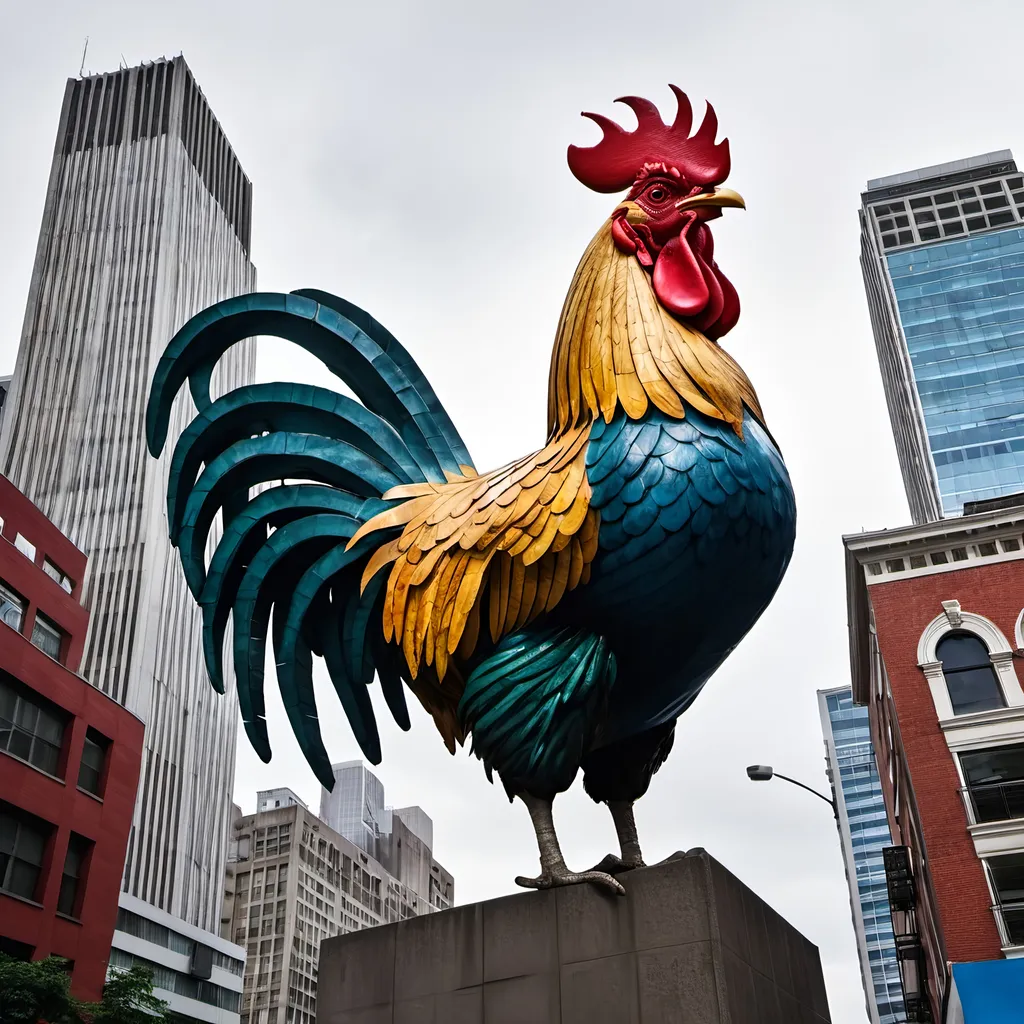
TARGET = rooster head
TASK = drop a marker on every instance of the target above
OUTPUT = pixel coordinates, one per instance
(674, 181)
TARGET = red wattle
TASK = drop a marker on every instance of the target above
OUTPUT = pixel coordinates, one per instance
(623, 237)
(678, 280)
(730, 311)
(716, 300)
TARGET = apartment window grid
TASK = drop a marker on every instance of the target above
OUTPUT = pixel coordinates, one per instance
(861, 791)
(950, 212)
(333, 894)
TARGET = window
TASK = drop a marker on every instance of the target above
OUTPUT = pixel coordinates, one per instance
(12, 607)
(26, 547)
(970, 677)
(94, 755)
(1008, 882)
(59, 576)
(22, 844)
(995, 782)
(69, 901)
(47, 637)
(171, 981)
(31, 728)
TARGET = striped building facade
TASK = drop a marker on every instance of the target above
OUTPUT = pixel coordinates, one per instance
(147, 221)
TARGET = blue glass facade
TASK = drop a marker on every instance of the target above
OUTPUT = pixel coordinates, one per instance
(865, 831)
(961, 307)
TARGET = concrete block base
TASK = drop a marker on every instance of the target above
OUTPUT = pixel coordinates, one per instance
(688, 944)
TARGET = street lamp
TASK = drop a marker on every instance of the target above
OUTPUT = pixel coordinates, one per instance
(765, 773)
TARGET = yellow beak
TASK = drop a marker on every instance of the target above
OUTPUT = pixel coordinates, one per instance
(720, 197)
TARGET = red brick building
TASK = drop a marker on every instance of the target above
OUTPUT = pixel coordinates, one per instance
(69, 758)
(935, 640)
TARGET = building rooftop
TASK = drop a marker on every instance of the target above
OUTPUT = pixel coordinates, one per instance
(999, 161)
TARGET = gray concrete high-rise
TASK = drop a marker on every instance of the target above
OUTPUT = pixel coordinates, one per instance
(400, 838)
(294, 881)
(942, 254)
(146, 222)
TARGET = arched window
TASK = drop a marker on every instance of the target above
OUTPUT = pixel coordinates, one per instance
(970, 678)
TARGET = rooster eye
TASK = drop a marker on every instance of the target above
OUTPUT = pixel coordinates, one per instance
(657, 194)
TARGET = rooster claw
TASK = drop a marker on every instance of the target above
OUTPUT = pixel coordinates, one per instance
(612, 865)
(550, 880)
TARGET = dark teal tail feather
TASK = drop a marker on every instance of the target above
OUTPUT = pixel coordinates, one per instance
(243, 538)
(263, 408)
(276, 456)
(533, 705)
(281, 564)
(347, 349)
(390, 345)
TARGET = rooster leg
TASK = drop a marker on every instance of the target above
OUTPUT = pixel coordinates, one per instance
(629, 845)
(552, 865)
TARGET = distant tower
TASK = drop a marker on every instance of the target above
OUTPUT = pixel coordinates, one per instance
(942, 253)
(146, 222)
(863, 833)
(355, 807)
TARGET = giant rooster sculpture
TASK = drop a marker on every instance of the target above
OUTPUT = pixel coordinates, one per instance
(561, 611)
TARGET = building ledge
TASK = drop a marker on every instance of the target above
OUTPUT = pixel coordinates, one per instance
(1010, 714)
(1005, 826)
(35, 768)
(21, 899)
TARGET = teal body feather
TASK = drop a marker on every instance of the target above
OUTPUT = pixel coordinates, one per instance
(534, 705)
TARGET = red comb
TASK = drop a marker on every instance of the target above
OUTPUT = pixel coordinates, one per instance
(617, 160)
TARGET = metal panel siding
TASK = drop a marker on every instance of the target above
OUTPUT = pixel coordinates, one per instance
(134, 241)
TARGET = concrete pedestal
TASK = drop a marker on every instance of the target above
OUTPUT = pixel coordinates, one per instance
(688, 944)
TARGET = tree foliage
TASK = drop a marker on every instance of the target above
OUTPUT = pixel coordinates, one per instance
(35, 991)
(39, 992)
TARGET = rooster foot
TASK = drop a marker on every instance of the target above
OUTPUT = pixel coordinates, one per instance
(612, 865)
(555, 877)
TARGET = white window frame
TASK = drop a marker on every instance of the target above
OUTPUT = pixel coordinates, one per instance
(954, 620)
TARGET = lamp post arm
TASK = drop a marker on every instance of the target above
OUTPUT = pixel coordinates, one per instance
(820, 796)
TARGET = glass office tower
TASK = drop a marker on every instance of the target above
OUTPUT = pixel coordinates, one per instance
(942, 253)
(355, 807)
(864, 832)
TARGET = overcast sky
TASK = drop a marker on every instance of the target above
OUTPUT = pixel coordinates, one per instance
(411, 157)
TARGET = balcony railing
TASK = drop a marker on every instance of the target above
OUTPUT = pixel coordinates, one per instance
(1010, 922)
(994, 801)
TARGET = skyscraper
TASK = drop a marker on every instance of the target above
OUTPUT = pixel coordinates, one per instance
(146, 222)
(293, 882)
(942, 253)
(401, 838)
(864, 832)
(355, 807)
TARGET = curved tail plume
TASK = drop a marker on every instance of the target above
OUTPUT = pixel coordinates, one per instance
(282, 565)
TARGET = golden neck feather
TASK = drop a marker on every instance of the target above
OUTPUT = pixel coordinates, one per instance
(615, 345)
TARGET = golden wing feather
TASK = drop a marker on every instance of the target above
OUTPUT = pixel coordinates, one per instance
(496, 539)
